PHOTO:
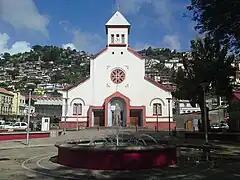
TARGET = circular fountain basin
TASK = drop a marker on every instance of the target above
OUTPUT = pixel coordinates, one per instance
(100, 156)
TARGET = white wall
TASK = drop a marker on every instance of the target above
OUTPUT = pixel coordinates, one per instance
(95, 90)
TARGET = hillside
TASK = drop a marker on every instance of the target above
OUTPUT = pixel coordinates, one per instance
(47, 64)
(51, 64)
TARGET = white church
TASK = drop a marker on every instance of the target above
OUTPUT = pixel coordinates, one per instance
(117, 88)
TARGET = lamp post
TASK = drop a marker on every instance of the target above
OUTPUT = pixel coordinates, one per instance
(65, 116)
(17, 105)
(169, 116)
(29, 112)
(77, 114)
(157, 115)
(204, 86)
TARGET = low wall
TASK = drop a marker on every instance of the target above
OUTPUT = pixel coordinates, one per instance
(72, 125)
(11, 130)
(5, 136)
(230, 137)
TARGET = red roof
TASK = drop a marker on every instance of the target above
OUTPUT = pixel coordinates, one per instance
(54, 97)
(135, 52)
(236, 95)
(6, 92)
(100, 52)
(158, 84)
(76, 84)
(119, 45)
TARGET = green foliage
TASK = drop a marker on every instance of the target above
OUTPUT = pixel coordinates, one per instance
(211, 64)
(220, 19)
(162, 55)
(62, 65)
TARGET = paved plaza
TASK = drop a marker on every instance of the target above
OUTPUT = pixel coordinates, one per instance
(38, 163)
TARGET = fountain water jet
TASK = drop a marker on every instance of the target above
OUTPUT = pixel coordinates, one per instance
(116, 152)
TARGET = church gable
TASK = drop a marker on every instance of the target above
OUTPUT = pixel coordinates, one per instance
(68, 88)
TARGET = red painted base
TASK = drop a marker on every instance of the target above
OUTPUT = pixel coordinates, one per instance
(14, 130)
(161, 125)
(21, 135)
(111, 159)
(73, 124)
(151, 125)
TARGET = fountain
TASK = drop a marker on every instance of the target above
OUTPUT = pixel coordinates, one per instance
(119, 151)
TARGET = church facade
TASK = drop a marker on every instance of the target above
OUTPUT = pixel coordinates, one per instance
(117, 88)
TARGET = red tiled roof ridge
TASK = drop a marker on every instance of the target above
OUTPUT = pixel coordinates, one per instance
(163, 87)
(134, 52)
(140, 56)
(76, 84)
(4, 91)
(99, 53)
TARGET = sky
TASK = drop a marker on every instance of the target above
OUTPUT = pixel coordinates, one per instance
(80, 24)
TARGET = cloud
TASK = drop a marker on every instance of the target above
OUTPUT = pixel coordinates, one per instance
(172, 42)
(23, 14)
(169, 41)
(69, 45)
(162, 10)
(17, 47)
(84, 41)
(131, 6)
(90, 42)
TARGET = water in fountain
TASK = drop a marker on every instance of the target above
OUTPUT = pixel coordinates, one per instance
(119, 137)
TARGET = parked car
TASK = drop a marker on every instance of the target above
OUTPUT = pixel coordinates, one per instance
(224, 126)
(2, 122)
(215, 126)
(6, 125)
(220, 126)
(20, 125)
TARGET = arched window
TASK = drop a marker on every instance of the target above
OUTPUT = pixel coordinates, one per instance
(157, 109)
(77, 109)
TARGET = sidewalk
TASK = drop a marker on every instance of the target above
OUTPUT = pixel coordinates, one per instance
(91, 133)
(44, 142)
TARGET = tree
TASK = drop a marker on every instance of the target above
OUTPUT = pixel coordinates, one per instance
(210, 63)
(6, 56)
(218, 18)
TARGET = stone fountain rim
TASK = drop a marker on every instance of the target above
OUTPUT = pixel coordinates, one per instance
(128, 148)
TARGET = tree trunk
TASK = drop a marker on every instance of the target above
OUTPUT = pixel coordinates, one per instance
(201, 105)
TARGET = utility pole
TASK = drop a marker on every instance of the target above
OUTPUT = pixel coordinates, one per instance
(29, 112)
(169, 116)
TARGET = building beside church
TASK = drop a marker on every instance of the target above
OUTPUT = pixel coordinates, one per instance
(117, 88)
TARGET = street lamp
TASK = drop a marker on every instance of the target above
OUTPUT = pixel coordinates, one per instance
(169, 116)
(204, 86)
(157, 114)
(29, 112)
(30, 86)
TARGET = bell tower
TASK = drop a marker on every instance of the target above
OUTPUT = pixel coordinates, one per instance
(117, 30)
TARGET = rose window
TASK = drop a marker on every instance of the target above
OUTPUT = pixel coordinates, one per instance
(117, 76)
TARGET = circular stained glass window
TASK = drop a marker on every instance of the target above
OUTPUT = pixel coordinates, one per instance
(117, 76)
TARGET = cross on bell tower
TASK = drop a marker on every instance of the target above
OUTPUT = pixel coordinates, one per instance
(117, 7)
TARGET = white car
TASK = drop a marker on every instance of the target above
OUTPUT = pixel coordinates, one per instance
(20, 125)
(6, 125)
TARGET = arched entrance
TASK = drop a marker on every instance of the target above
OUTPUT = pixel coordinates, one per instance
(117, 114)
(109, 107)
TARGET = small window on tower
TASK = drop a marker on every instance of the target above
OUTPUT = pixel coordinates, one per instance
(117, 35)
(123, 39)
(112, 38)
